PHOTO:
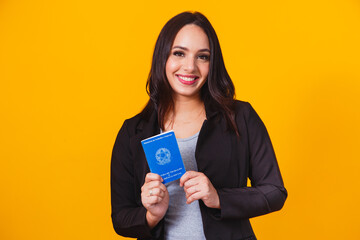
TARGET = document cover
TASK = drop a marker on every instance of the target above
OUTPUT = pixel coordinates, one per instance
(163, 156)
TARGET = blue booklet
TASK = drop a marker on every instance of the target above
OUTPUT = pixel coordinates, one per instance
(163, 156)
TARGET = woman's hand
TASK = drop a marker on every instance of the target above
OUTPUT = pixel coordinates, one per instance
(155, 198)
(197, 186)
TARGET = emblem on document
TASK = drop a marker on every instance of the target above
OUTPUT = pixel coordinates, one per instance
(162, 156)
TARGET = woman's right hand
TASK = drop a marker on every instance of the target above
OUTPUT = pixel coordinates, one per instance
(155, 198)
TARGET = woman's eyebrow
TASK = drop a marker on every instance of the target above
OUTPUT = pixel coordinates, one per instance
(186, 49)
(204, 50)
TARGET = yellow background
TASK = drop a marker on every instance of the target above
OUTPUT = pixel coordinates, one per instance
(71, 71)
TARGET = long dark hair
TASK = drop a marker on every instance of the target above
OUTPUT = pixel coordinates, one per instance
(218, 91)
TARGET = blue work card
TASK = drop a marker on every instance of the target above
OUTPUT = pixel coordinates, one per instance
(163, 156)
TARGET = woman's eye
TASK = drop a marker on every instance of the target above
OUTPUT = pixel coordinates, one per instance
(204, 57)
(178, 54)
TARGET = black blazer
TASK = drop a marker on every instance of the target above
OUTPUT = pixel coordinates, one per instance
(227, 160)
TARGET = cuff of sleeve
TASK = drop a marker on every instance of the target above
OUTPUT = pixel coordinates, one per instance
(157, 231)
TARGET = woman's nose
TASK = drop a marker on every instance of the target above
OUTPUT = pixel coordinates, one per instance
(189, 64)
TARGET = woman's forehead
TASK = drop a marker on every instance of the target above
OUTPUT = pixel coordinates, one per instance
(191, 36)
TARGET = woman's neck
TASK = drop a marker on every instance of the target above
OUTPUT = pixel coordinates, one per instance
(187, 117)
(187, 108)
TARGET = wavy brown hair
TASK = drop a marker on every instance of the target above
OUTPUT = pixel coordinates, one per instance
(218, 91)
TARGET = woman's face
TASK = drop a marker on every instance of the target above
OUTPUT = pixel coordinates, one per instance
(187, 67)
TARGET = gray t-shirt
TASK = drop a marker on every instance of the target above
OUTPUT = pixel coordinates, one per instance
(183, 221)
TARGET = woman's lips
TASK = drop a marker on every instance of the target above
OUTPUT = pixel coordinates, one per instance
(187, 79)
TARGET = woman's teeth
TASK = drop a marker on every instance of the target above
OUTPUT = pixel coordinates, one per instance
(187, 78)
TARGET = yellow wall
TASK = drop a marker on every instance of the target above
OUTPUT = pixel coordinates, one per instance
(71, 71)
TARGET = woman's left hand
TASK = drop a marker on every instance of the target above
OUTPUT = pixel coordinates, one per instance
(198, 186)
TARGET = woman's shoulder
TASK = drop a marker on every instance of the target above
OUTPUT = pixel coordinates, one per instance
(134, 120)
(137, 123)
(242, 107)
(133, 123)
(244, 110)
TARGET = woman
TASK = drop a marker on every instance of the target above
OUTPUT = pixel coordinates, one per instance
(223, 142)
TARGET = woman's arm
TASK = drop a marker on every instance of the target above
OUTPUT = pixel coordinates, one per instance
(128, 217)
(267, 192)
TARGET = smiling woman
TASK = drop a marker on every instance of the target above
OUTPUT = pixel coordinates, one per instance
(187, 67)
(222, 141)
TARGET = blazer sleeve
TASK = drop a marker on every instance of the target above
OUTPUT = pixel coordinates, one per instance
(129, 219)
(267, 192)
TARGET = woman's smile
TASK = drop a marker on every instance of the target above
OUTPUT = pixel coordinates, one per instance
(187, 79)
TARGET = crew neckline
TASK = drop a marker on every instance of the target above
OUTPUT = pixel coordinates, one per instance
(184, 139)
(188, 138)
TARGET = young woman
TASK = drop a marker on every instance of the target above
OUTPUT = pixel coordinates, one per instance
(223, 142)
